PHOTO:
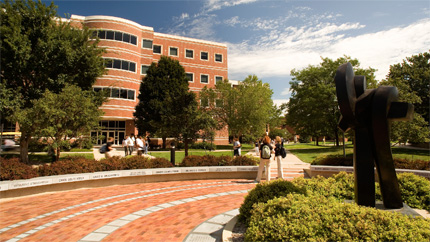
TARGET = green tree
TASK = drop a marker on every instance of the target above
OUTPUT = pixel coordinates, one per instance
(412, 79)
(40, 52)
(166, 106)
(245, 109)
(313, 108)
(70, 113)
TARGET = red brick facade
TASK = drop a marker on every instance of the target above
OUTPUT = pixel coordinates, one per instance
(198, 57)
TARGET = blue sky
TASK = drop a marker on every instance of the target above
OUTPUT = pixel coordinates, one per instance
(269, 38)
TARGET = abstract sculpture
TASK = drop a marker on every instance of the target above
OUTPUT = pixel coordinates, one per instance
(368, 113)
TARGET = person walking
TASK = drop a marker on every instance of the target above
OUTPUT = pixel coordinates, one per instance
(109, 147)
(139, 145)
(278, 156)
(125, 145)
(266, 151)
(236, 147)
(131, 143)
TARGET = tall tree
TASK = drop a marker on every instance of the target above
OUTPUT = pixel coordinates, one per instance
(166, 106)
(70, 113)
(245, 109)
(40, 52)
(412, 79)
(313, 108)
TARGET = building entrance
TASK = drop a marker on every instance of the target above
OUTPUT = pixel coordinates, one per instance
(108, 128)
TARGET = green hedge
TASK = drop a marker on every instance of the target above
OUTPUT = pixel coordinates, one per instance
(224, 160)
(415, 190)
(399, 163)
(297, 217)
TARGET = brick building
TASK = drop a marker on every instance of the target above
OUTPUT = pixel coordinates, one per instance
(131, 48)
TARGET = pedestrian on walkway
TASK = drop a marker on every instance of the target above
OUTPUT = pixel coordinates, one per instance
(109, 144)
(125, 145)
(266, 151)
(131, 143)
(278, 156)
(236, 147)
(139, 145)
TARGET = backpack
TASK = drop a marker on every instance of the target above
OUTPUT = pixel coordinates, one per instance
(283, 152)
(103, 149)
(265, 152)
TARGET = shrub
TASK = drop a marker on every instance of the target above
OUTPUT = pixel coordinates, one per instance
(159, 163)
(399, 163)
(111, 164)
(224, 160)
(205, 160)
(243, 161)
(203, 146)
(297, 217)
(264, 192)
(73, 165)
(13, 169)
(134, 162)
(415, 190)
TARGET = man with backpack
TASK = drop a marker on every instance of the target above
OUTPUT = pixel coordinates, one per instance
(280, 153)
(266, 151)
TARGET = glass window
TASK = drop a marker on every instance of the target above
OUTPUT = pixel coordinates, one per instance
(130, 94)
(132, 67)
(117, 64)
(115, 93)
(189, 53)
(112, 124)
(102, 34)
(190, 76)
(146, 43)
(110, 35)
(104, 124)
(126, 38)
(218, 79)
(173, 51)
(204, 78)
(125, 65)
(118, 36)
(144, 69)
(121, 124)
(133, 40)
(108, 63)
(218, 57)
(97, 89)
(123, 93)
(204, 55)
(156, 49)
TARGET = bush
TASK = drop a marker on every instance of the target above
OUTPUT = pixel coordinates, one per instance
(264, 192)
(203, 146)
(134, 162)
(73, 165)
(399, 163)
(13, 169)
(297, 217)
(415, 190)
(224, 160)
(159, 163)
(205, 160)
(243, 161)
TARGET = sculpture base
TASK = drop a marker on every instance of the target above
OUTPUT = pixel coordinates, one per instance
(406, 210)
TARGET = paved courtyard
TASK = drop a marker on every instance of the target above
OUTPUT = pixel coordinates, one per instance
(165, 211)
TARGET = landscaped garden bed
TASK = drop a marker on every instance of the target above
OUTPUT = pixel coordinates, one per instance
(314, 209)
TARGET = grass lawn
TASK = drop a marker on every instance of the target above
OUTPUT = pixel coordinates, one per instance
(308, 152)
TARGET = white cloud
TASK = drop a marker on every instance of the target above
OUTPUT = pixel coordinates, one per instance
(213, 5)
(285, 92)
(278, 102)
(279, 52)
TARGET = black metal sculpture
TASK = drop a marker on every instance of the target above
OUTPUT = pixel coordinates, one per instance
(369, 112)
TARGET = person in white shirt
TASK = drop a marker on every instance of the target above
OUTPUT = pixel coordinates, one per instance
(131, 142)
(139, 145)
(125, 144)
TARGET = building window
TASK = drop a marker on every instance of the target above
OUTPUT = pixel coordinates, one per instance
(218, 57)
(120, 64)
(115, 92)
(116, 35)
(204, 55)
(204, 78)
(189, 53)
(218, 103)
(147, 44)
(218, 79)
(156, 49)
(173, 51)
(144, 69)
(190, 77)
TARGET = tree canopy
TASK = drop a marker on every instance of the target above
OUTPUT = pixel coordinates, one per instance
(245, 108)
(313, 108)
(39, 52)
(412, 79)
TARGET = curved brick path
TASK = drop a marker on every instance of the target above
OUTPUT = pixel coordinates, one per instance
(166, 211)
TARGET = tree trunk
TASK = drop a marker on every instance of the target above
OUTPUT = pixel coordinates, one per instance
(23, 144)
(57, 155)
(316, 140)
(186, 147)
(164, 142)
(336, 132)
